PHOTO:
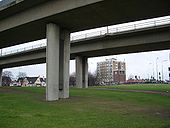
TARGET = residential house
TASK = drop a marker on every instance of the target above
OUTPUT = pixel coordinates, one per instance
(32, 81)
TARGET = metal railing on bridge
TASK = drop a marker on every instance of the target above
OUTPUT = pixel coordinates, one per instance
(116, 29)
(38, 46)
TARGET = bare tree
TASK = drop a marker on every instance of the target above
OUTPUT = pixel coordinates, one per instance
(72, 80)
(7, 77)
(92, 79)
(21, 75)
(131, 77)
(7, 74)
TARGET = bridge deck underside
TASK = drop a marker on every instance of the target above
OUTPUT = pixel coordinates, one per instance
(99, 14)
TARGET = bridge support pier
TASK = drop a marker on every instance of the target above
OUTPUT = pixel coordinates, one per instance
(1, 76)
(57, 59)
(81, 72)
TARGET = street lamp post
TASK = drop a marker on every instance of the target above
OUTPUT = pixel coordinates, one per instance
(157, 68)
(163, 70)
(153, 74)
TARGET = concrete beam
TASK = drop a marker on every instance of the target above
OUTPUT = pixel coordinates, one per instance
(31, 25)
(81, 72)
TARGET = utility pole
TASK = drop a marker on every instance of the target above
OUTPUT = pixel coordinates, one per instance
(152, 74)
(157, 67)
(163, 70)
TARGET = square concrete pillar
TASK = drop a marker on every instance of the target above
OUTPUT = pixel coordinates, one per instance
(1, 70)
(52, 60)
(57, 59)
(85, 72)
(81, 72)
(64, 64)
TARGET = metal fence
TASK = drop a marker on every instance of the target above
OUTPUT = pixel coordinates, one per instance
(124, 28)
(24, 49)
(108, 30)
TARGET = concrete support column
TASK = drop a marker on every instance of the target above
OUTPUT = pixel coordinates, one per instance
(64, 64)
(85, 72)
(81, 72)
(1, 70)
(57, 59)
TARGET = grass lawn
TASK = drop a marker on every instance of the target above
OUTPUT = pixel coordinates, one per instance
(150, 87)
(25, 107)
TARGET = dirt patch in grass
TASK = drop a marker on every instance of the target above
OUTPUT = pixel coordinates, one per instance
(144, 91)
(9, 90)
(163, 114)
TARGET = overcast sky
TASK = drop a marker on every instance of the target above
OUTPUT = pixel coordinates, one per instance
(140, 64)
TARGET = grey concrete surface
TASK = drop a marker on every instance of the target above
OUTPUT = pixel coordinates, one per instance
(23, 24)
(85, 72)
(64, 64)
(81, 72)
(58, 56)
(52, 59)
(1, 70)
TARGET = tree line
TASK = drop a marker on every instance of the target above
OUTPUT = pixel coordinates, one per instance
(7, 76)
(92, 79)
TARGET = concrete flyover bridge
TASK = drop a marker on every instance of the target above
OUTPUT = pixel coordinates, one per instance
(100, 43)
(24, 21)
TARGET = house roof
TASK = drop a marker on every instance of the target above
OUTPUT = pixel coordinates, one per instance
(43, 79)
(31, 80)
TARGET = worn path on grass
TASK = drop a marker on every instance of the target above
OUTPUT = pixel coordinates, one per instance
(17, 90)
(12, 90)
(144, 91)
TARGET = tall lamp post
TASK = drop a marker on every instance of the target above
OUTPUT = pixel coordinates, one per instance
(153, 74)
(163, 69)
(157, 67)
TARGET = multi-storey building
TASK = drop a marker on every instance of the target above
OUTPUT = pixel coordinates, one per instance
(111, 71)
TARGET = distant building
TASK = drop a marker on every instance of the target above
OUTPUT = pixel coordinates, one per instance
(111, 71)
(31, 81)
(135, 81)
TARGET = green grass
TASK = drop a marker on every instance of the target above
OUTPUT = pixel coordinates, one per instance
(86, 108)
(151, 87)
